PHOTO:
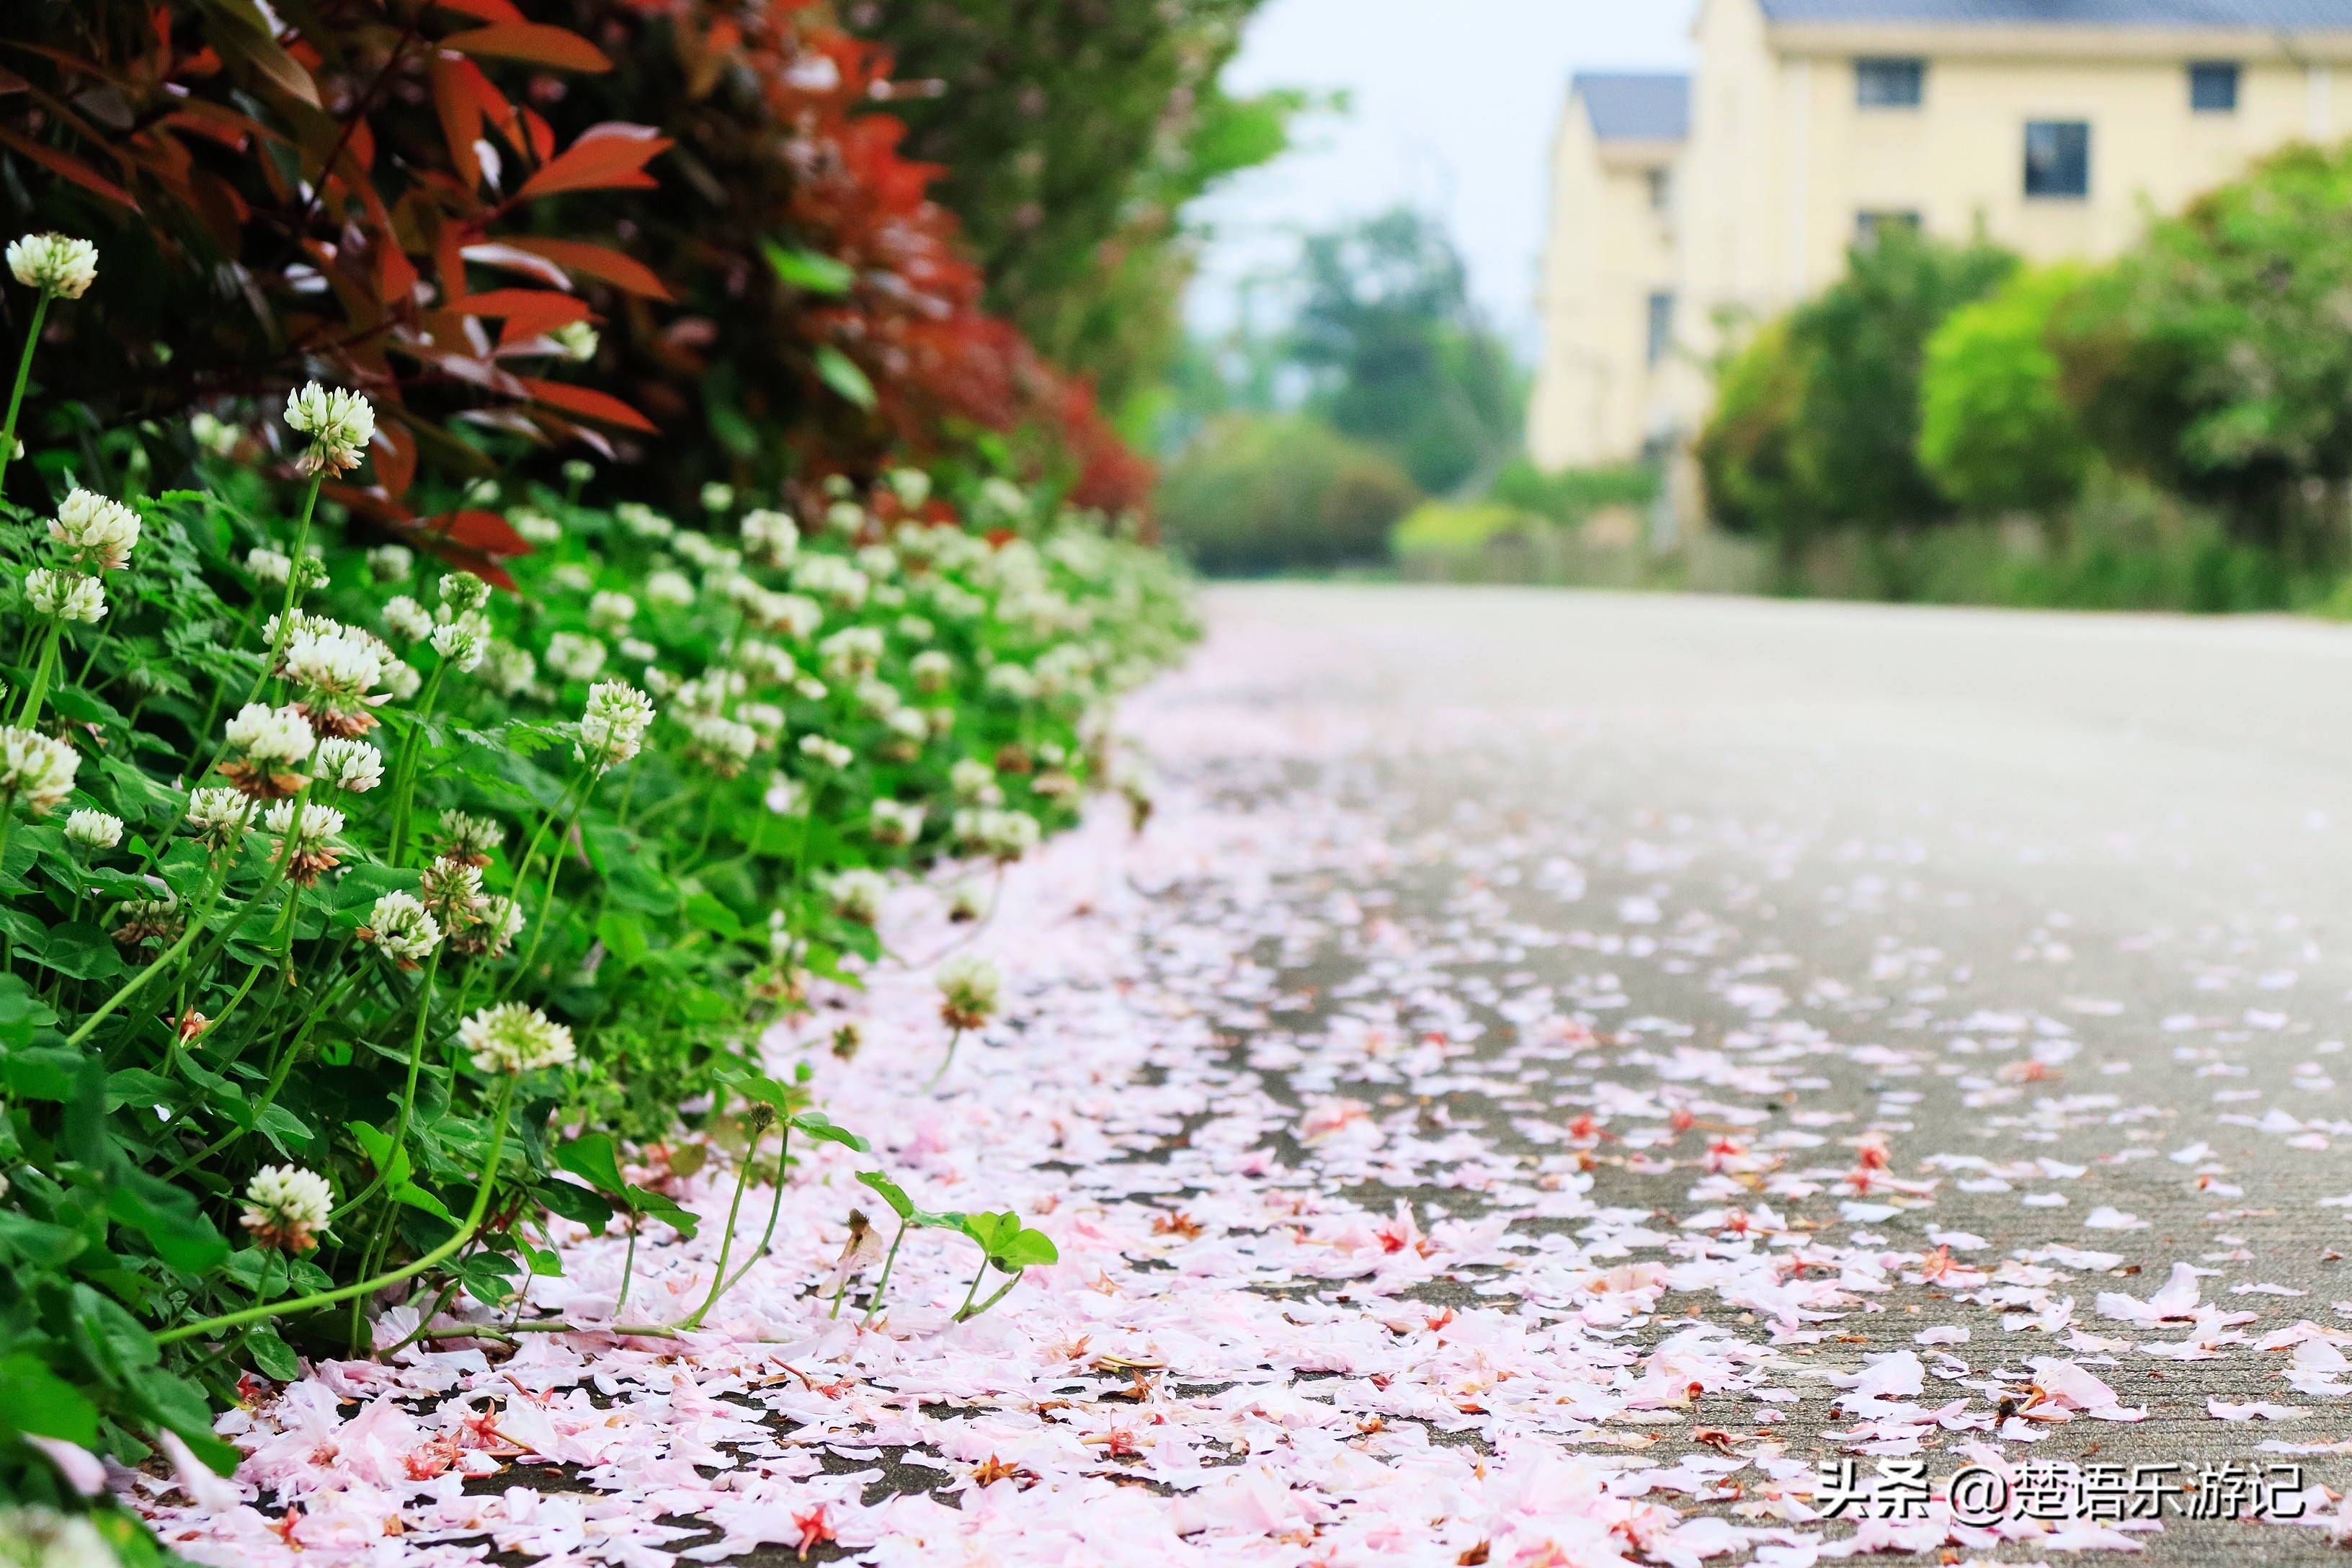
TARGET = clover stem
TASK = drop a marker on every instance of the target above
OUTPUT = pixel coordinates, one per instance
(719, 1280)
(628, 1266)
(946, 1062)
(38, 691)
(883, 1284)
(23, 375)
(408, 1093)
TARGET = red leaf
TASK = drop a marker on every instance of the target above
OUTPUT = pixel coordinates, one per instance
(589, 404)
(483, 531)
(610, 156)
(59, 164)
(483, 10)
(558, 48)
(597, 261)
(536, 304)
(395, 459)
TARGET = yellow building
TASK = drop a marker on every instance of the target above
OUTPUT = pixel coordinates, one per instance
(2053, 126)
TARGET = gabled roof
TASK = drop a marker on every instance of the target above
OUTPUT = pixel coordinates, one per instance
(2294, 16)
(1636, 107)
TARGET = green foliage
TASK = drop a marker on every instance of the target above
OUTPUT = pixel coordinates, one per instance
(1447, 526)
(1996, 430)
(1817, 419)
(1269, 494)
(1574, 494)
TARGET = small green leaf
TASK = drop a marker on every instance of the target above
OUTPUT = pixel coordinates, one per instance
(624, 938)
(591, 1160)
(273, 1356)
(34, 1399)
(575, 1203)
(682, 1221)
(839, 371)
(807, 270)
(891, 1192)
(818, 1125)
(708, 914)
(1027, 1249)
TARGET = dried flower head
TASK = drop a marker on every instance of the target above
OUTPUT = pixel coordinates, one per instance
(498, 920)
(404, 928)
(286, 1206)
(55, 264)
(339, 423)
(93, 829)
(971, 989)
(99, 534)
(614, 724)
(347, 764)
(514, 1038)
(148, 922)
(302, 829)
(64, 596)
(452, 889)
(472, 839)
(36, 771)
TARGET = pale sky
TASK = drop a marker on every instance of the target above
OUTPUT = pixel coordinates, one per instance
(1454, 101)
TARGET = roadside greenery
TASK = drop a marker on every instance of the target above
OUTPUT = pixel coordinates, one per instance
(356, 917)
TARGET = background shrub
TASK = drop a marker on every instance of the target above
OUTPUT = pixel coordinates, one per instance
(1256, 494)
(1997, 432)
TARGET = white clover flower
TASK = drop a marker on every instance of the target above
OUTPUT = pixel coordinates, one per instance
(644, 521)
(636, 651)
(573, 657)
(93, 829)
(406, 619)
(786, 796)
(850, 652)
(575, 341)
(312, 828)
(401, 680)
(286, 1205)
(831, 579)
(404, 928)
(496, 921)
(809, 687)
(508, 669)
(470, 838)
(721, 744)
(348, 764)
(794, 615)
(909, 725)
(932, 670)
(461, 642)
(971, 989)
(912, 487)
(879, 562)
(611, 613)
(967, 901)
(997, 833)
(916, 629)
(826, 752)
(282, 737)
(892, 822)
(845, 517)
(614, 724)
(100, 534)
(535, 526)
(879, 697)
(340, 423)
(974, 781)
(462, 593)
(270, 567)
(764, 717)
(35, 1536)
(219, 817)
(717, 497)
(36, 770)
(765, 661)
(572, 577)
(216, 436)
(333, 662)
(670, 590)
(391, 562)
(53, 262)
(63, 595)
(514, 1038)
(770, 537)
(858, 894)
(940, 720)
(1011, 681)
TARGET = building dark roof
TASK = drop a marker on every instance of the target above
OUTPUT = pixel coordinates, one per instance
(2294, 16)
(1626, 108)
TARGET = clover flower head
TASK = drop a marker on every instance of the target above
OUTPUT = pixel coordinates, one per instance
(462, 593)
(332, 663)
(308, 822)
(610, 612)
(644, 521)
(764, 662)
(506, 668)
(452, 889)
(214, 434)
(57, 263)
(916, 629)
(348, 764)
(931, 670)
(93, 829)
(909, 725)
(971, 989)
(845, 517)
(826, 752)
(831, 579)
(263, 734)
(461, 642)
(391, 562)
(219, 817)
(574, 657)
(514, 1038)
(498, 920)
(578, 470)
(940, 720)
(400, 678)
(572, 577)
(717, 497)
(975, 782)
(470, 838)
(879, 697)
(879, 562)
(894, 823)
(403, 927)
(967, 901)
(36, 771)
(669, 590)
(809, 687)
(850, 652)
(64, 596)
(794, 615)
(912, 487)
(786, 796)
(858, 894)
(286, 1205)
(614, 724)
(100, 534)
(998, 834)
(148, 922)
(1011, 681)
(269, 567)
(721, 744)
(576, 340)
(535, 526)
(340, 423)
(770, 537)
(406, 619)
(34, 1536)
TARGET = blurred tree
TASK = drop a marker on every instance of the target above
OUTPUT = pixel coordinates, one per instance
(1400, 359)
(1072, 134)
(1996, 431)
(1256, 494)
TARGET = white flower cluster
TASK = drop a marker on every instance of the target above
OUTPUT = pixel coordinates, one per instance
(340, 423)
(344, 763)
(894, 824)
(764, 662)
(36, 771)
(406, 619)
(513, 1038)
(275, 737)
(35, 1536)
(1013, 681)
(332, 662)
(826, 752)
(403, 928)
(55, 264)
(857, 894)
(850, 652)
(391, 562)
(998, 834)
(972, 990)
(644, 521)
(932, 670)
(795, 616)
(286, 1206)
(974, 782)
(219, 817)
(93, 829)
(669, 590)
(100, 534)
(309, 823)
(63, 595)
(770, 537)
(721, 744)
(614, 724)
(574, 657)
(831, 579)
(611, 612)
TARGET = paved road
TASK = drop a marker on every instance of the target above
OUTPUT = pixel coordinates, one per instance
(2053, 908)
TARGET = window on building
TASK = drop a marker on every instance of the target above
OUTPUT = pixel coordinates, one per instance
(2213, 87)
(1662, 326)
(2057, 158)
(1889, 83)
(1662, 189)
(1868, 226)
